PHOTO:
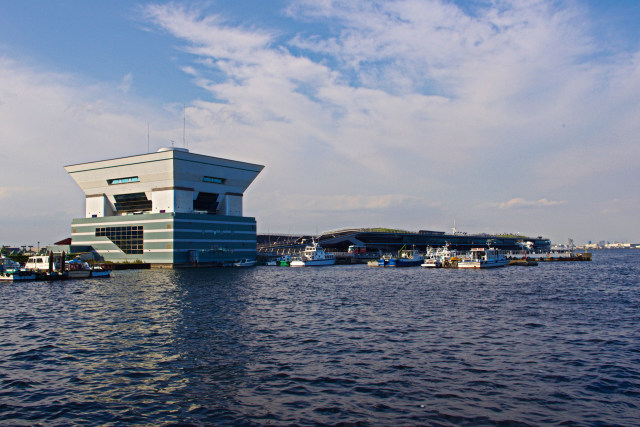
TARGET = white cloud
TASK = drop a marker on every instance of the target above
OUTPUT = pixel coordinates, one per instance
(409, 113)
(519, 203)
(125, 84)
(415, 98)
(50, 120)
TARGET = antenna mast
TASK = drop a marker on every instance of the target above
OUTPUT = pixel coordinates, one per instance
(184, 125)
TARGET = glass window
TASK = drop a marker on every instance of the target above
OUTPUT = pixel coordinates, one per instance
(213, 180)
(128, 239)
(123, 180)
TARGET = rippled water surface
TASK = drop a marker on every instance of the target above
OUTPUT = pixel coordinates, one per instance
(553, 344)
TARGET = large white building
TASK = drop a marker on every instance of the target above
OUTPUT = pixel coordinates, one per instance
(168, 208)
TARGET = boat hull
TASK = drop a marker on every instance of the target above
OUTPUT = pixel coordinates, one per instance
(401, 262)
(483, 264)
(18, 276)
(100, 273)
(431, 264)
(312, 263)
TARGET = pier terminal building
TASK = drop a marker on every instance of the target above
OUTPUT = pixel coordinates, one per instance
(168, 208)
(374, 240)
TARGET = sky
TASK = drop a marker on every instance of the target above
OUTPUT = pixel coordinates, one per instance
(494, 116)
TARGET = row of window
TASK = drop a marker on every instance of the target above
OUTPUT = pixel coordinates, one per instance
(129, 179)
(213, 180)
(123, 180)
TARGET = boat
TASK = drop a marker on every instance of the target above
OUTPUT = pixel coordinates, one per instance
(387, 260)
(40, 263)
(77, 269)
(313, 256)
(245, 262)
(7, 264)
(284, 260)
(100, 271)
(483, 258)
(272, 263)
(432, 260)
(409, 258)
(443, 257)
(17, 275)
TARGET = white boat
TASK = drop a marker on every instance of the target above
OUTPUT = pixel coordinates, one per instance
(43, 263)
(442, 257)
(244, 262)
(312, 256)
(77, 269)
(431, 262)
(483, 258)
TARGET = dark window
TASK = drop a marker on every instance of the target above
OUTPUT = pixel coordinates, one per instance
(128, 239)
(206, 202)
(133, 202)
(213, 180)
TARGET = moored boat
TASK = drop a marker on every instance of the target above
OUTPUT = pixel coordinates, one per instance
(100, 271)
(245, 263)
(17, 276)
(483, 258)
(313, 256)
(409, 258)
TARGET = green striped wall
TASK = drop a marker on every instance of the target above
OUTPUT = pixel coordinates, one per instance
(174, 238)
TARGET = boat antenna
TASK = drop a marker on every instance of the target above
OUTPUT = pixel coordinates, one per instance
(184, 125)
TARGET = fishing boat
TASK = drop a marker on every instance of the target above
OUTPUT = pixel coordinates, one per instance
(483, 258)
(387, 260)
(409, 258)
(312, 256)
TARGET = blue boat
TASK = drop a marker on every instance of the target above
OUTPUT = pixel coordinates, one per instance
(409, 258)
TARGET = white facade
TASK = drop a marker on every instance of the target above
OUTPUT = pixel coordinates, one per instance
(170, 180)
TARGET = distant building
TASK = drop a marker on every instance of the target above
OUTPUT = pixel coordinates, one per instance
(169, 208)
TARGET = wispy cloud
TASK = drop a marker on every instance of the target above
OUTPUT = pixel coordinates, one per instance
(425, 99)
(407, 112)
(519, 203)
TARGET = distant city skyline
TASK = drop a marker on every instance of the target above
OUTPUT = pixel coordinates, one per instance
(514, 117)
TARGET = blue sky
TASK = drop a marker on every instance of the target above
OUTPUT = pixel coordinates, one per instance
(516, 116)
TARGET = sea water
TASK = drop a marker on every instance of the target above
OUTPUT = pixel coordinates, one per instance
(554, 344)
